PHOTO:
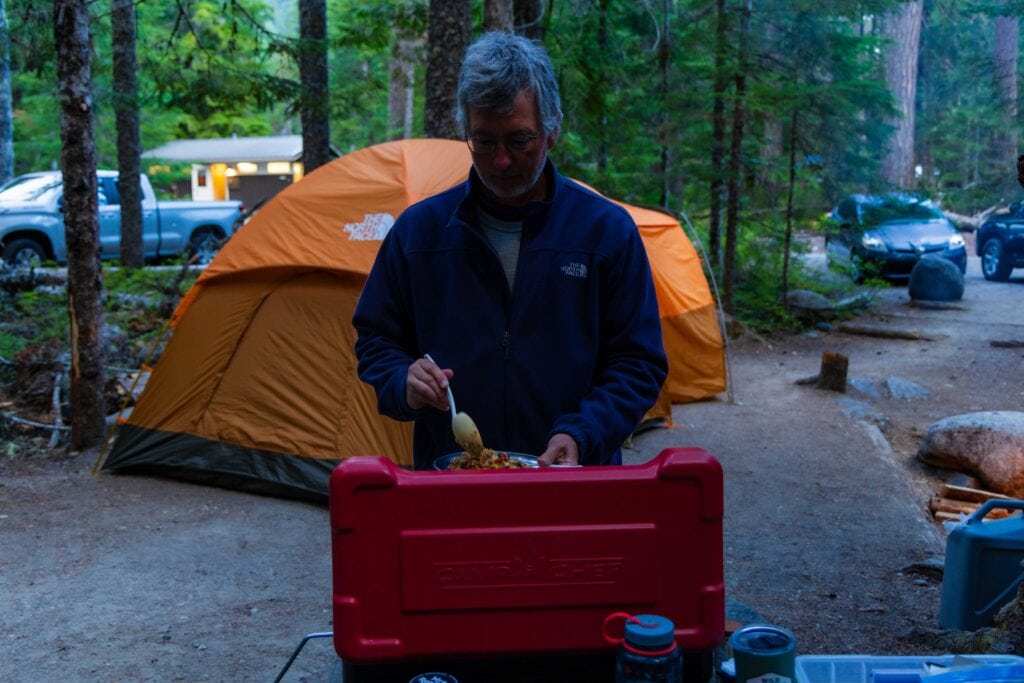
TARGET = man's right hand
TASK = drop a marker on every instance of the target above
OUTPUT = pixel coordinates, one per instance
(425, 385)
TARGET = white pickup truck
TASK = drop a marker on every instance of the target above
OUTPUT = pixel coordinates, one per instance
(32, 225)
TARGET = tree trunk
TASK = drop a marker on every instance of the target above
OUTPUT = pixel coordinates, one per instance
(718, 138)
(739, 113)
(81, 220)
(788, 242)
(600, 91)
(1006, 48)
(664, 55)
(499, 15)
(316, 127)
(448, 35)
(902, 26)
(6, 111)
(529, 18)
(402, 74)
(126, 109)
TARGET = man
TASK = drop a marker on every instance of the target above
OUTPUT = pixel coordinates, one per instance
(532, 293)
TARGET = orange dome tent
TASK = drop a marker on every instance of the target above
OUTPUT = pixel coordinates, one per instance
(257, 387)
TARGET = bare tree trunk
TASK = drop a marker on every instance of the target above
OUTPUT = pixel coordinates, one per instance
(664, 55)
(600, 93)
(1007, 47)
(401, 84)
(126, 108)
(771, 141)
(902, 26)
(448, 34)
(718, 138)
(499, 15)
(6, 111)
(529, 18)
(81, 220)
(788, 242)
(316, 126)
(739, 114)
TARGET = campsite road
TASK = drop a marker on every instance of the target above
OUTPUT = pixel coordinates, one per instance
(124, 578)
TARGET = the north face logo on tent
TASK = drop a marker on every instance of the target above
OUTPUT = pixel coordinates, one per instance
(374, 227)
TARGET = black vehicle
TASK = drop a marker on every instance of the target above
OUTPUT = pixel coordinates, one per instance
(1000, 243)
(886, 235)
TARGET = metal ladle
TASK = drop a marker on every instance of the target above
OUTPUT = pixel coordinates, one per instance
(463, 427)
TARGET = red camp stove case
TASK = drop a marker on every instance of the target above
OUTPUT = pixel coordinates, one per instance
(509, 574)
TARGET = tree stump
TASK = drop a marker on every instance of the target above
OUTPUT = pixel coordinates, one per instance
(834, 366)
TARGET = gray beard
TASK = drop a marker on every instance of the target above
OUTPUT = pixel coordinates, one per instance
(518, 190)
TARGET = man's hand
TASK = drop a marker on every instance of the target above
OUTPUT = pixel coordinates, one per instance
(562, 450)
(425, 385)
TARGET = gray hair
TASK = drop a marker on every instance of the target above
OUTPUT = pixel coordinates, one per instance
(496, 68)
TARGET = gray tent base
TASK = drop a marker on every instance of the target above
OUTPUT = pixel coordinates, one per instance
(174, 455)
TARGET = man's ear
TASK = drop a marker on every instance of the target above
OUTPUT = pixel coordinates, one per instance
(551, 138)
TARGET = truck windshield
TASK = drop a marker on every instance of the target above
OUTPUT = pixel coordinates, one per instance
(28, 189)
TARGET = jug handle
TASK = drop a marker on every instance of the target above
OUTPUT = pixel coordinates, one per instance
(992, 504)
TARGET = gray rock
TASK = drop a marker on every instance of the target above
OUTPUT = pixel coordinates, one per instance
(868, 387)
(989, 445)
(810, 306)
(936, 279)
(905, 389)
(859, 410)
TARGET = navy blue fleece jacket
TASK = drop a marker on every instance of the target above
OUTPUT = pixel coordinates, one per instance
(575, 348)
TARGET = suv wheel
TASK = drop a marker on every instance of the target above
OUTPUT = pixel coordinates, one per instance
(994, 263)
(204, 245)
(24, 252)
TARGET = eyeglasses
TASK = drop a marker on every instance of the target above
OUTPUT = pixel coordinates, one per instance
(516, 143)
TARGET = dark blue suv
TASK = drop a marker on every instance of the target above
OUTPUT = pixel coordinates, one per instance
(1000, 243)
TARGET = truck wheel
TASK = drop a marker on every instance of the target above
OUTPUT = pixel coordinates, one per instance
(204, 245)
(24, 252)
(994, 264)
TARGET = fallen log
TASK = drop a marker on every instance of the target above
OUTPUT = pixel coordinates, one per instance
(1007, 344)
(886, 332)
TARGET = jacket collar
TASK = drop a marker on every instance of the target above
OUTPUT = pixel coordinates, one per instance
(534, 210)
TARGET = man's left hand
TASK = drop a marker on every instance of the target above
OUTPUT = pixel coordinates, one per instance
(562, 450)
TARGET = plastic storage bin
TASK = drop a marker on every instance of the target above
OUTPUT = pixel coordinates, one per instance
(983, 567)
(861, 668)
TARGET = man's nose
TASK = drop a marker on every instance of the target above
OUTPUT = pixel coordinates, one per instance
(502, 158)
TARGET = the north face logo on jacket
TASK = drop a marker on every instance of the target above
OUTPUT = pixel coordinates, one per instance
(575, 270)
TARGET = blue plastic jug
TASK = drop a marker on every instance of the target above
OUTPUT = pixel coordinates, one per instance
(983, 567)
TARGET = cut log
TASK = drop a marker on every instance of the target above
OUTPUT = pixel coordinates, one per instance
(941, 504)
(969, 494)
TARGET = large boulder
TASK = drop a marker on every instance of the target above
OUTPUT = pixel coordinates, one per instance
(989, 445)
(936, 279)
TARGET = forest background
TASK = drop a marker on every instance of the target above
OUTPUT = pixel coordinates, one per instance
(751, 118)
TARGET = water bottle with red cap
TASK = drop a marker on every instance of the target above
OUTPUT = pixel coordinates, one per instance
(647, 649)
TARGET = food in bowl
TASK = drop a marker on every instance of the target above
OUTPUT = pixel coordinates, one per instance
(486, 459)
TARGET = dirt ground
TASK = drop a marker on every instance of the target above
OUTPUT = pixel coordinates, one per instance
(125, 578)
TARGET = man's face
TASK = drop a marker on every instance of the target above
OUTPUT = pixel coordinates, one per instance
(512, 171)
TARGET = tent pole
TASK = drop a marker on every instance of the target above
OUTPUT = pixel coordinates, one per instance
(695, 239)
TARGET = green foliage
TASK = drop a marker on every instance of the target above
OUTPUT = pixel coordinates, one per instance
(213, 68)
